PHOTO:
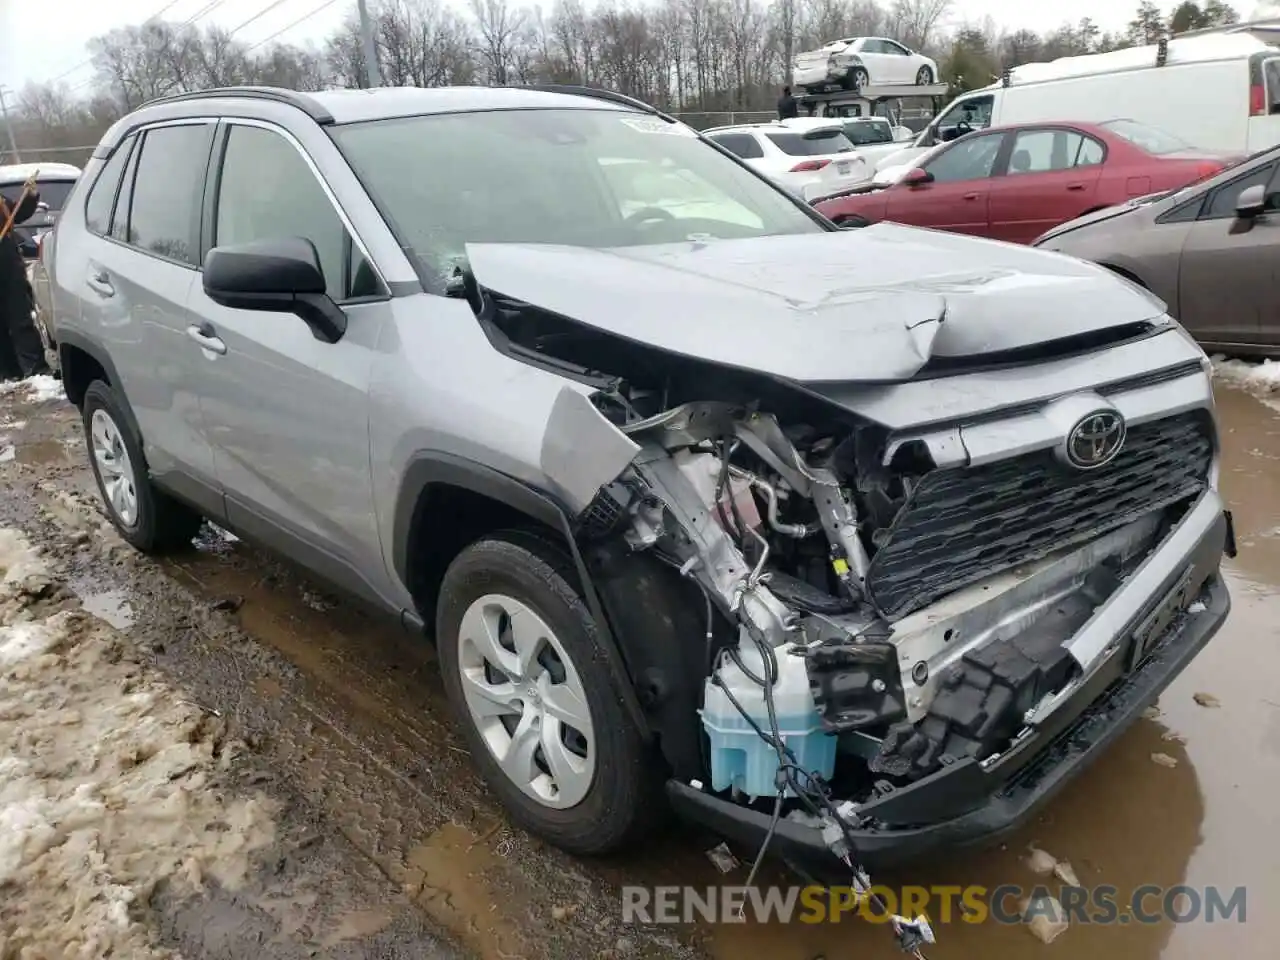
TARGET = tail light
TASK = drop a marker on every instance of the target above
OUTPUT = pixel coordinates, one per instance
(808, 166)
(1257, 100)
(1208, 168)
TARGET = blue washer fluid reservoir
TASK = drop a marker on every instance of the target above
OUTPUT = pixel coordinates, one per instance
(739, 757)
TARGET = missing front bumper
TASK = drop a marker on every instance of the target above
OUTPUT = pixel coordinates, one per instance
(968, 802)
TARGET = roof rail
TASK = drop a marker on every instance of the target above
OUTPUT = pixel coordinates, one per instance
(596, 93)
(293, 98)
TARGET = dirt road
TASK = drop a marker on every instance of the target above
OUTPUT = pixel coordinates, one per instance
(371, 836)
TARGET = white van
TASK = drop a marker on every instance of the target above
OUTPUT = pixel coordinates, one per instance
(1218, 92)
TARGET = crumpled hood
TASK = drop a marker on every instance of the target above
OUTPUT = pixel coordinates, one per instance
(874, 304)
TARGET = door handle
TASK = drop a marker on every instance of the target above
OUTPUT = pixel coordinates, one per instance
(972, 196)
(1075, 186)
(204, 335)
(100, 283)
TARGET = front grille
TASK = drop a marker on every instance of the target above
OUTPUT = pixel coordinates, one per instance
(960, 526)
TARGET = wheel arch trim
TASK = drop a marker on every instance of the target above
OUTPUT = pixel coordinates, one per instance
(428, 468)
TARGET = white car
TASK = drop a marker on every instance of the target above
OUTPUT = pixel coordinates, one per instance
(875, 137)
(857, 62)
(809, 156)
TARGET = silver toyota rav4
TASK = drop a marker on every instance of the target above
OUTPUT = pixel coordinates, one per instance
(866, 540)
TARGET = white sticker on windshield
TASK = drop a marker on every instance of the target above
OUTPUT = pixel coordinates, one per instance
(655, 125)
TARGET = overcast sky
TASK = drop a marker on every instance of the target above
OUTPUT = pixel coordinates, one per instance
(43, 40)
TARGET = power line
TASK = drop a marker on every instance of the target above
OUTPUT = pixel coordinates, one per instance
(84, 63)
(286, 29)
(258, 16)
(203, 11)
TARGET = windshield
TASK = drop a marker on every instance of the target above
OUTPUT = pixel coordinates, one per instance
(1149, 139)
(816, 143)
(865, 132)
(591, 178)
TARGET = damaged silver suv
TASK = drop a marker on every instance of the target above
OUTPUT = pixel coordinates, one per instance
(865, 540)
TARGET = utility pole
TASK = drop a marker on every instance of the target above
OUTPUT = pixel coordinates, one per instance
(372, 75)
(8, 125)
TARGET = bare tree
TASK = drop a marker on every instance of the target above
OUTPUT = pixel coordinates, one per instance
(500, 28)
(916, 21)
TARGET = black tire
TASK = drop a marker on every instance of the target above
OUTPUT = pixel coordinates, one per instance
(624, 802)
(924, 77)
(857, 78)
(162, 524)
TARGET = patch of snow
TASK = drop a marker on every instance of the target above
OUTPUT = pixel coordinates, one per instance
(38, 388)
(18, 559)
(225, 535)
(23, 640)
(1262, 377)
(7, 452)
(107, 784)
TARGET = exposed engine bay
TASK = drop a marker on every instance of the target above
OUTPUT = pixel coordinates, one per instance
(878, 607)
(788, 530)
(892, 614)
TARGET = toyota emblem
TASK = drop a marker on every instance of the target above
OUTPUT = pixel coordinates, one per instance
(1095, 440)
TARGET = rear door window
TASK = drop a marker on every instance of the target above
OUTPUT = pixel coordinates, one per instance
(816, 144)
(1046, 151)
(164, 214)
(742, 145)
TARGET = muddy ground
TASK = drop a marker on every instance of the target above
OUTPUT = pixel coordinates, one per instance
(377, 839)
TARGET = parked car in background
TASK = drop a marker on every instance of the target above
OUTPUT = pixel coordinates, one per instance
(1209, 251)
(856, 62)
(54, 181)
(809, 156)
(873, 137)
(1014, 183)
(1218, 92)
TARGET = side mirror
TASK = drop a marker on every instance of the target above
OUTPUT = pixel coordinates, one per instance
(279, 275)
(917, 177)
(1252, 202)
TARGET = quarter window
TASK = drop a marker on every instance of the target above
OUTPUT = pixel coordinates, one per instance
(267, 191)
(164, 212)
(102, 196)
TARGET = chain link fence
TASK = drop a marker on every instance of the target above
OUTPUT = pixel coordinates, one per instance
(78, 156)
(725, 118)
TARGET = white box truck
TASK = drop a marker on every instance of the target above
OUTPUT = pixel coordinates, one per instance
(1218, 92)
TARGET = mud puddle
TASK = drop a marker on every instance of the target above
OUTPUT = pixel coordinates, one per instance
(350, 709)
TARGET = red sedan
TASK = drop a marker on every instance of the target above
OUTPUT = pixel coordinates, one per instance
(1014, 183)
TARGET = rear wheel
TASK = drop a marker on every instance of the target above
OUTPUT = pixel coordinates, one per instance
(538, 705)
(146, 517)
(857, 78)
(924, 77)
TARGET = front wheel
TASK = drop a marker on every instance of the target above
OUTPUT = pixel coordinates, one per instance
(538, 705)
